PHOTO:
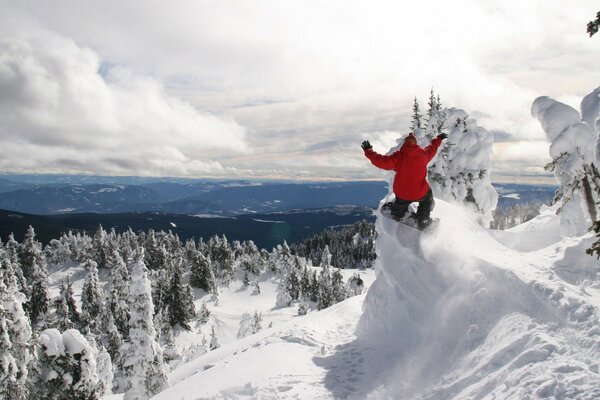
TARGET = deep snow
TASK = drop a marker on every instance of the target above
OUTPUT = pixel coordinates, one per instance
(459, 313)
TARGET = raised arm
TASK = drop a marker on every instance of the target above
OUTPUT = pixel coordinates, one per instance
(434, 145)
(378, 160)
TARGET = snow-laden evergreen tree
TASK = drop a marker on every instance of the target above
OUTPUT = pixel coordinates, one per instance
(355, 285)
(155, 256)
(204, 314)
(293, 285)
(283, 298)
(15, 334)
(214, 341)
(416, 123)
(101, 248)
(10, 387)
(180, 299)
(143, 368)
(114, 344)
(338, 288)
(256, 322)
(92, 300)
(572, 146)
(67, 367)
(30, 253)
(202, 273)
(61, 315)
(325, 284)
(104, 365)
(12, 254)
(19, 334)
(39, 301)
(250, 259)
(305, 284)
(161, 280)
(118, 289)
(222, 257)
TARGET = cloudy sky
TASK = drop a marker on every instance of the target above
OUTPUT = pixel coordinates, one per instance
(276, 89)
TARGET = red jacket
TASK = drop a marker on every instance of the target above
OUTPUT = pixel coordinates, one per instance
(410, 164)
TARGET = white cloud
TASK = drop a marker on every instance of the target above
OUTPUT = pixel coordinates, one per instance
(307, 79)
(59, 114)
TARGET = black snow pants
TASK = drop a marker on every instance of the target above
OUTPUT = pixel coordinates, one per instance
(400, 207)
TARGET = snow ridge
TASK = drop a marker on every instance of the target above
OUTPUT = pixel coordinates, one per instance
(457, 314)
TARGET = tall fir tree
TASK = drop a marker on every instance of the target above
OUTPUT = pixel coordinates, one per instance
(39, 301)
(202, 273)
(118, 299)
(180, 300)
(143, 366)
(92, 300)
(15, 334)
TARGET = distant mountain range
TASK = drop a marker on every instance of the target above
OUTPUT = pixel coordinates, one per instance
(225, 198)
(266, 212)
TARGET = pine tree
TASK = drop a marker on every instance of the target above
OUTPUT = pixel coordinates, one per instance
(92, 300)
(12, 254)
(118, 300)
(416, 123)
(143, 367)
(256, 324)
(203, 314)
(61, 316)
(214, 342)
(15, 335)
(14, 354)
(39, 301)
(30, 254)
(202, 273)
(293, 285)
(100, 248)
(337, 285)
(180, 300)
(67, 367)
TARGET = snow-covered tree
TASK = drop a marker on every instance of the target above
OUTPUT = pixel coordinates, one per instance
(355, 285)
(214, 342)
(202, 273)
(180, 299)
(39, 301)
(92, 300)
(222, 258)
(204, 314)
(30, 253)
(416, 123)
(461, 172)
(15, 333)
(143, 367)
(67, 367)
(573, 138)
(118, 289)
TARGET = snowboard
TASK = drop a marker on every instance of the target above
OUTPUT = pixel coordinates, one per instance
(409, 219)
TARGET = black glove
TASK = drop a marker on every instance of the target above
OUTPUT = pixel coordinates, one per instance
(366, 145)
(443, 136)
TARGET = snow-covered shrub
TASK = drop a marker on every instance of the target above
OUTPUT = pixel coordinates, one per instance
(67, 367)
(573, 138)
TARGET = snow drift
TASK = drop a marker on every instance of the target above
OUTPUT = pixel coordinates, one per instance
(458, 314)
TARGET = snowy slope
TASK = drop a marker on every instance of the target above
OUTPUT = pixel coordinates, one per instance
(462, 313)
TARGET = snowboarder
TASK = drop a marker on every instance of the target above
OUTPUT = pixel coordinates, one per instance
(410, 182)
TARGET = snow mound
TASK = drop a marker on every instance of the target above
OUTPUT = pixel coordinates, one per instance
(457, 313)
